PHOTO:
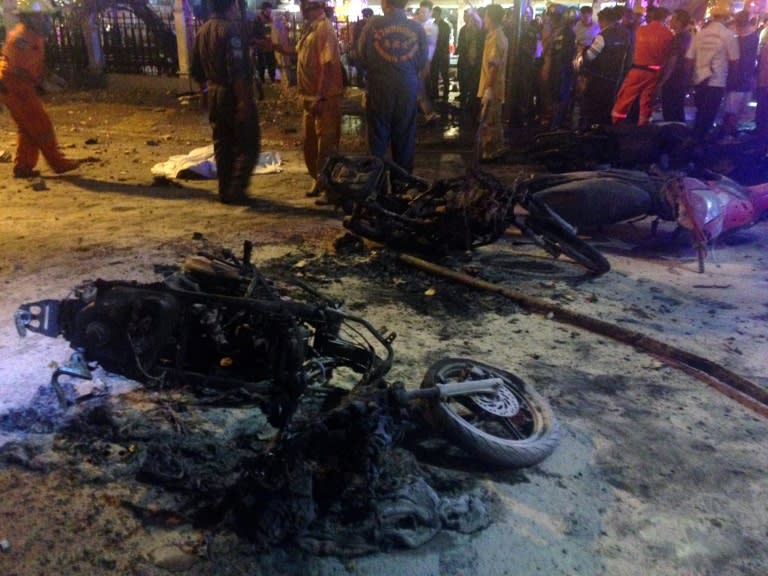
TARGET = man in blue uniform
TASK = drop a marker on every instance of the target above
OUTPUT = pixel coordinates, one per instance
(221, 65)
(605, 63)
(393, 51)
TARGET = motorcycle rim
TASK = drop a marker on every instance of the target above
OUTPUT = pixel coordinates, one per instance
(514, 427)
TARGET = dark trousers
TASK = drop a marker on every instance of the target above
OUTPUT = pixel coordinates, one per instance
(392, 125)
(438, 71)
(599, 97)
(236, 145)
(266, 63)
(707, 100)
(469, 78)
(673, 102)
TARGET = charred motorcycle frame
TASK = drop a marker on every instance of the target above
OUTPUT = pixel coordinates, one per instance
(386, 204)
(220, 325)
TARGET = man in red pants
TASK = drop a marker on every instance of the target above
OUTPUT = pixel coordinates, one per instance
(652, 47)
(21, 71)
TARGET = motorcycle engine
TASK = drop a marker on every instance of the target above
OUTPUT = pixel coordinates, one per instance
(125, 328)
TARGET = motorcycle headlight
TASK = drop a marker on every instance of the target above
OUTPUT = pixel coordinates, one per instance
(700, 209)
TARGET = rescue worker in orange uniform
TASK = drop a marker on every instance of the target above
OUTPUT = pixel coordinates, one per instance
(21, 72)
(653, 43)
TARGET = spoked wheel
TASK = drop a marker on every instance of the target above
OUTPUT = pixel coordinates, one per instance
(512, 427)
(559, 240)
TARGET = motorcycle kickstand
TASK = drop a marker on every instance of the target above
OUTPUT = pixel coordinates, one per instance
(77, 367)
(701, 253)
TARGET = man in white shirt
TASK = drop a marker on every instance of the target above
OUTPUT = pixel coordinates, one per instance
(424, 15)
(585, 28)
(714, 49)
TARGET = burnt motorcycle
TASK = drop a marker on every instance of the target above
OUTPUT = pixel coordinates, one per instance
(620, 146)
(386, 204)
(706, 207)
(668, 145)
(219, 326)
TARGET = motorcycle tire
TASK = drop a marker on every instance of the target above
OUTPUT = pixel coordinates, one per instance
(559, 240)
(513, 428)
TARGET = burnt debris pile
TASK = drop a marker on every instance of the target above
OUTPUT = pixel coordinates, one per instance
(331, 484)
(336, 476)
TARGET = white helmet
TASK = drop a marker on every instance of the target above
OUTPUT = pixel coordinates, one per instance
(34, 7)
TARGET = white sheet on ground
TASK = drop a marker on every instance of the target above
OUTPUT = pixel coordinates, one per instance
(199, 163)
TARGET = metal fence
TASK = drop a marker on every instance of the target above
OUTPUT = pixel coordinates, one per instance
(65, 48)
(129, 46)
(126, 42)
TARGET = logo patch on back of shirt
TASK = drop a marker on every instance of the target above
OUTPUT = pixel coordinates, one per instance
(395, 43)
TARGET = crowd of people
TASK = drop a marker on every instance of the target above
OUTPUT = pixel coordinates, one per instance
(402, 62)
(574, 69)
(619, 68)
(571, 69)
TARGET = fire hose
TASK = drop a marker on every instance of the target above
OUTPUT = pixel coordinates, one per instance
(718, 377)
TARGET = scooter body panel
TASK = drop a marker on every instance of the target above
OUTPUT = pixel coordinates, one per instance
(713, 208)
(595, 202)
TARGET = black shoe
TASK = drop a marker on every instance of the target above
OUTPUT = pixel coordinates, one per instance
(239, 200)
(314, 192)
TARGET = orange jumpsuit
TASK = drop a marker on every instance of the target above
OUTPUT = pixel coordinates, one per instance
(653, 43)
(21, 70)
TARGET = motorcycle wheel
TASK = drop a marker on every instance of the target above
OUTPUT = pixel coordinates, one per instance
(558, 240)
(514, 428)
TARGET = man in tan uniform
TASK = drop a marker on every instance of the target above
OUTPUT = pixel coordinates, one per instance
(321, 88)
(492, 85)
